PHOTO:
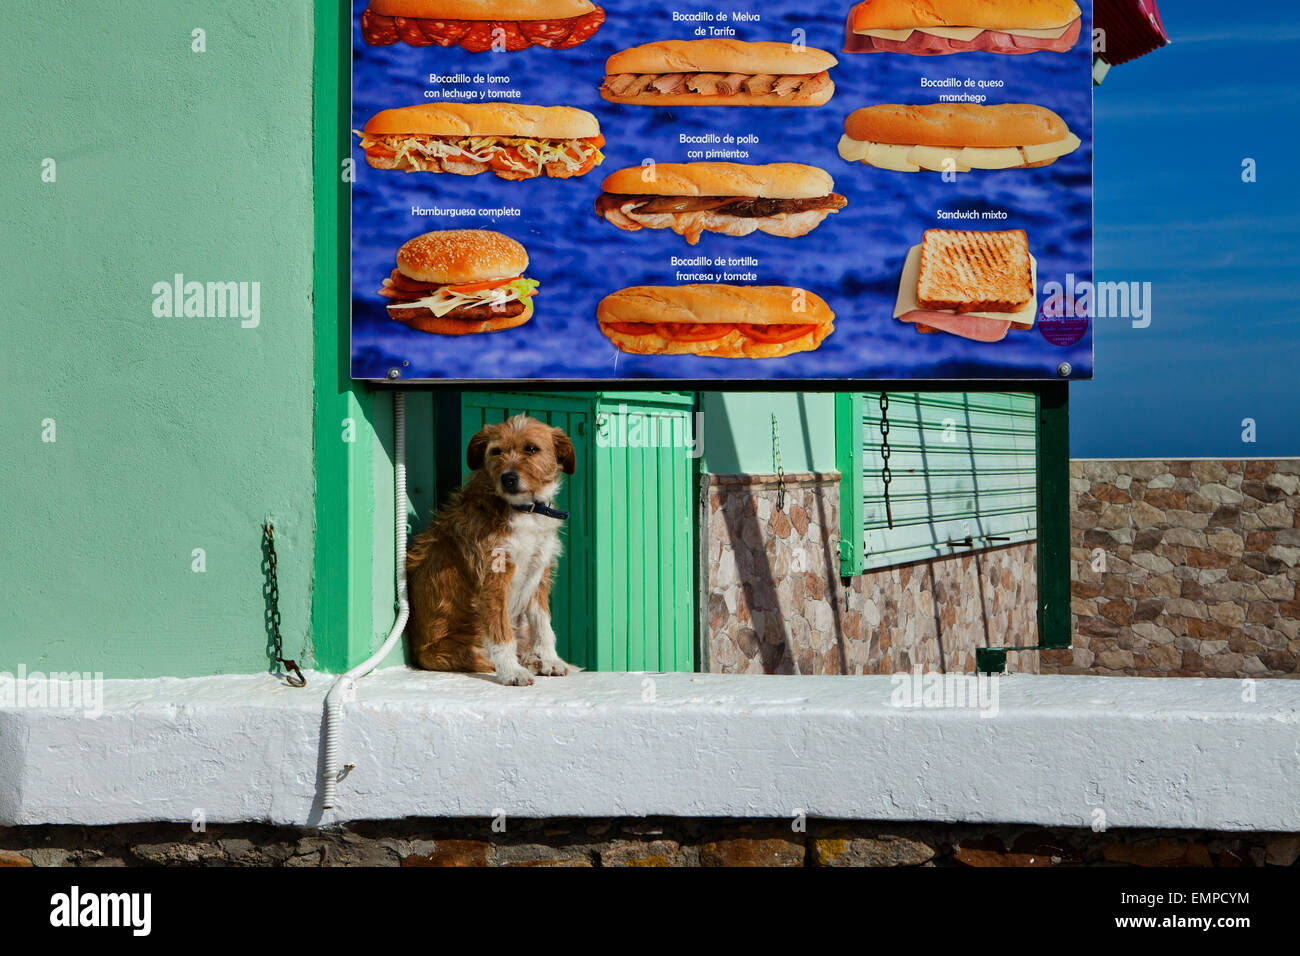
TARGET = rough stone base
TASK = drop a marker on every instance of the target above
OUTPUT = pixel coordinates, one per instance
(625, 842)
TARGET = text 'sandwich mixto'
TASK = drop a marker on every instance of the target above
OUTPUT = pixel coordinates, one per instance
(479, 25)
(780, 199)
(972, 284)
(718, 321)
(460, 282)
(956, 137)
(719, 73)
(515, 142)
(937, 27)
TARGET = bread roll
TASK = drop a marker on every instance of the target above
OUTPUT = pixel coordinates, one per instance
(702, 304)
(957, 124)
(462, 256)
(818, 98)
(773, 181)
(485, 119)
(719, 56)
(988, 14)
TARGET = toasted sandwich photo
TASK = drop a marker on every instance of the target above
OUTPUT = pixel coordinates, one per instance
(719, 73)
(972, 284)
(956, 137)
(460, 282)
(718, 321)
(478, 25)
(514, 142)
(938, 27)
(780, 199)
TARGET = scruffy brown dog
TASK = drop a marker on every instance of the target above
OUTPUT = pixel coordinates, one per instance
(483, 567)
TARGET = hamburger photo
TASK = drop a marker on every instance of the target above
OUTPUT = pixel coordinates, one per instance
(514, 142)
(460, 282)
(780, 199)
(717, 321)
(478, 25)
(719, 73)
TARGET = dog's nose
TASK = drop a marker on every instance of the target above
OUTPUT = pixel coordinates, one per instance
(510, 481)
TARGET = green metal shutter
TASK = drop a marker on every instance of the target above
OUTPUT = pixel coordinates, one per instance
(964, 466)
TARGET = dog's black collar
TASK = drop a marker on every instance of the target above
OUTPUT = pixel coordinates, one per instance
(537, 508)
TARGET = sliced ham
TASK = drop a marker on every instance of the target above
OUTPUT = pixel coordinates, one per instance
(990, 41)
(972, 327)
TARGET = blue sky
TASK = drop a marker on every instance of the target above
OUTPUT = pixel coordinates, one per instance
(1223, 256)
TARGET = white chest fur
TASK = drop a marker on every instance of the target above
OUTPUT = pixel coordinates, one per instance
(534, 545)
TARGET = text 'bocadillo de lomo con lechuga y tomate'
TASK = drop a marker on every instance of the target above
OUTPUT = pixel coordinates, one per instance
(481, 25)
(719, 73)
(938, 27)
(513, 141)
(780, 199)
(956, 137)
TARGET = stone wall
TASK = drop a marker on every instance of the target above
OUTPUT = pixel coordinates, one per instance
(627, 842)
(1184, 569)
(775, 601)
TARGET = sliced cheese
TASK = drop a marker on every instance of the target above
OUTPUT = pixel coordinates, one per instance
(966, 34)
(912, 275)
(1006, 157)
(939, 159)
(1046, 151)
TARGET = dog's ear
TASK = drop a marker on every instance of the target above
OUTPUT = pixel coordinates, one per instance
(477, 450)
(564, 452)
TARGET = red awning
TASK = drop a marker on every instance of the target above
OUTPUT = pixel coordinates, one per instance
(1133, 29)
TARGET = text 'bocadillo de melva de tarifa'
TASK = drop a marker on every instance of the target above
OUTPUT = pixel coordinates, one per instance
(956, 137)
(719, 73)
(515, 142)
(481, 25)
(717, 321)
(938, 27)
(779, 199)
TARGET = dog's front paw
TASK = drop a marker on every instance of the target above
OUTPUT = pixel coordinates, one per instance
(556, 668)
(515, 676)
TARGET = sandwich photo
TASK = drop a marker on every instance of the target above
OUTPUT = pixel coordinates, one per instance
(718, 321)
(477, 25)
(956, 137)
(972, 284)
(780, 199)
(937, 27)
(515, 142)
(718, 73)
(460, 282)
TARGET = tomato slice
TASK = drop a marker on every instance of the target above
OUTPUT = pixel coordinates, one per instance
(479, 286)
(775, 334)
(380, 150)
(631, 328)
(695, 332)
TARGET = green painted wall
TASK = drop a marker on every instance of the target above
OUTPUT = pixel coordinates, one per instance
(738, 431)
(172, 434)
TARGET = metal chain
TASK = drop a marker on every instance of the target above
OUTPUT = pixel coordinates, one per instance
(275, 647)
(780, 467)
(885, 474)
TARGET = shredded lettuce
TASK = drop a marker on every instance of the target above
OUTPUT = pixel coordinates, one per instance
(444, 300)
(534, 155)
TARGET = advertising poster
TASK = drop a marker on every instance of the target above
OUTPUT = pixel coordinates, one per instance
(569, 192)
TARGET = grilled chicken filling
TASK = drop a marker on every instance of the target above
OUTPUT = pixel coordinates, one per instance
(692, 216)
(715, 84)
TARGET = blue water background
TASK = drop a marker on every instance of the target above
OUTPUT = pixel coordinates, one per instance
(853, 260)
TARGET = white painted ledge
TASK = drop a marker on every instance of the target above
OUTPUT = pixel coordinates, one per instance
(1149, 753)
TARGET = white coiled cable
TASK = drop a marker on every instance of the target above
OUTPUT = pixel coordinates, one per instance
(345, 685)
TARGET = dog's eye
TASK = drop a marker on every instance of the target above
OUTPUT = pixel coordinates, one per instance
(494, 451)
(531, 449)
